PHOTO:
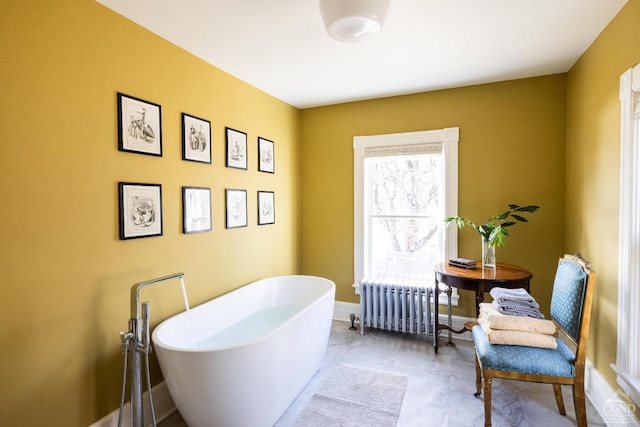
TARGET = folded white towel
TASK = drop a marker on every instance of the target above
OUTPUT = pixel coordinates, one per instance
(497, 320)
(505, 337)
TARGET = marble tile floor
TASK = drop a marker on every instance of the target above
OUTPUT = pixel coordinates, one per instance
(441, 386)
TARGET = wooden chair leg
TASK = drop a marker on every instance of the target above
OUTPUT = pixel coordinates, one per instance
(557, 390)
(478, 378)
(579, 404)
(487, 402)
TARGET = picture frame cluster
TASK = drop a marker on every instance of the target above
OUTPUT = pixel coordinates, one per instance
(140, 212)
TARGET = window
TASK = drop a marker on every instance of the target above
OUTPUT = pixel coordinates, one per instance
(405, 184)
(402, 214)
(628, 353)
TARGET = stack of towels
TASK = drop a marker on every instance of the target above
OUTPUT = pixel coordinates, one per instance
(514, 318)
(515, 302)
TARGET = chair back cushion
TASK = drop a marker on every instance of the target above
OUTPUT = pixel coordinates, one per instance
(567, 298)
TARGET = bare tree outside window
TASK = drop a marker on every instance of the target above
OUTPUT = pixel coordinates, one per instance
(405, 211)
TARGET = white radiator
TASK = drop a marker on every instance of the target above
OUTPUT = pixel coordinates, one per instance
(395, 307)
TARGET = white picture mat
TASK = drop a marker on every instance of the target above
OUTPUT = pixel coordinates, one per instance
(236, 149)
(197, 209)
(236, 201)
(266, 155)
(266, 207)
(142, 210)
(196, 139)
(141, 130)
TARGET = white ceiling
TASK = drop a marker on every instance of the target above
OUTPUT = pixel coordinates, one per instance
(280, 46)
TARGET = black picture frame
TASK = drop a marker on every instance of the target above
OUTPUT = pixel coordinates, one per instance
(196, 209)
(266, 207)
(196, 139)
(140, 210)
(236, 142)
(236, 208)
(139, 126)
(266, 155)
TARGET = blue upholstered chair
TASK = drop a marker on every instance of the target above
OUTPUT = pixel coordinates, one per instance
(571, 312)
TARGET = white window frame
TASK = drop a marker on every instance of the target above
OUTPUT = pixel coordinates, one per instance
(447, 138)
(627, 366)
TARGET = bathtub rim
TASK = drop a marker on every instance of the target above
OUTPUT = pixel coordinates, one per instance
(321, 297)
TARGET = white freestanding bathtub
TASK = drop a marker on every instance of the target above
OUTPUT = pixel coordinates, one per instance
(241, 359)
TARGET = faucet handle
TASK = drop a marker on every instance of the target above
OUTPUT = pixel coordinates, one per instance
(126, 336)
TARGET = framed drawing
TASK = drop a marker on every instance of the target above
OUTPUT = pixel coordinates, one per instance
(196, 209)
(236, 208)
(265, 155)
(236, 149)
(196, 139)
(266, 208)
(139, 126)
(140, 210)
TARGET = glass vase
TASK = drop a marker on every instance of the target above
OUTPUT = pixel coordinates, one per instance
(488, 254)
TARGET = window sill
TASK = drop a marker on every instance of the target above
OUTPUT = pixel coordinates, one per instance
(630, 384)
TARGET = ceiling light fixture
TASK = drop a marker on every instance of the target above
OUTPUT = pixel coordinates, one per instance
(353, 21)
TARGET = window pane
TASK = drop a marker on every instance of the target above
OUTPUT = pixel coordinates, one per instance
(404, 248)
(404, 216)
(405, 185)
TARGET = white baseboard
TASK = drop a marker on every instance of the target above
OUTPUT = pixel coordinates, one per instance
(614, 408)
(342, 310)
(596, 388)
(162, 403)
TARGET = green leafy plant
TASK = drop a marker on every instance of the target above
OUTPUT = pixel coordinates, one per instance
(496, 228)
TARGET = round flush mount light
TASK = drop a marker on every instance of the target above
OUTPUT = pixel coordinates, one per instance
(353, 21)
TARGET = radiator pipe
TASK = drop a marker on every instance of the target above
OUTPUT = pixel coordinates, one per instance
(353, 318)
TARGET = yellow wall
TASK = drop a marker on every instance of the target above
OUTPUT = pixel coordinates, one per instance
(593, 170)
(511, 150)
(542, 160)
(64, 293)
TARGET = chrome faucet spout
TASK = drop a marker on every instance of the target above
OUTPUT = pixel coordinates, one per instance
(135, 291)
(139, 332)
